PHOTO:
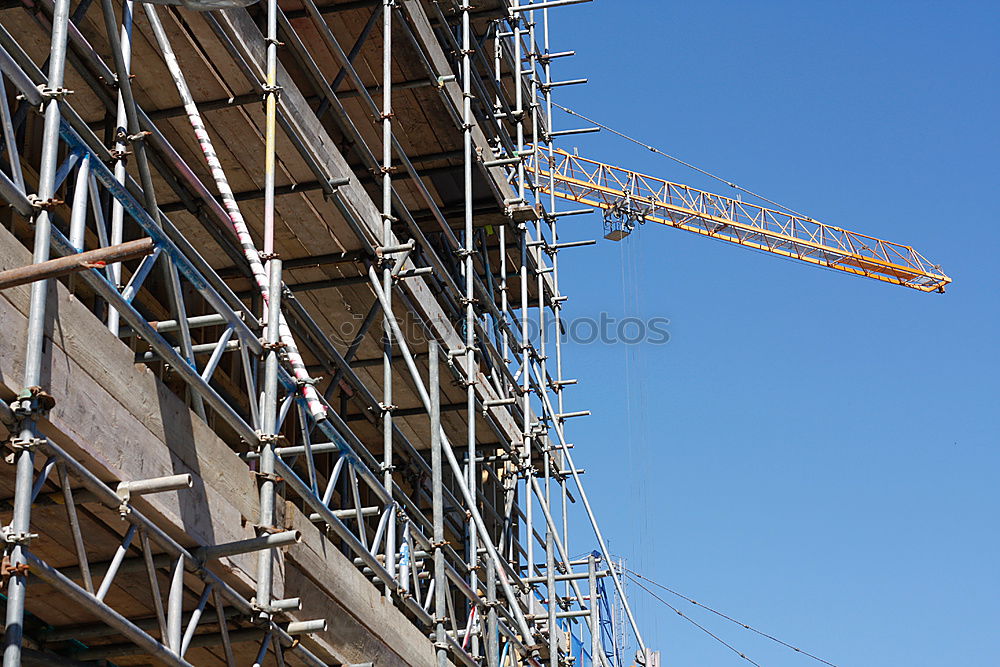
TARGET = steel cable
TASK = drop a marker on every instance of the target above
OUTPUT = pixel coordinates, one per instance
(692, 621)
(681, 162)
(632, 574)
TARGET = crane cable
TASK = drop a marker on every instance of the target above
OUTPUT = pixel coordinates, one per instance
(681, 162)
(694, 622)
(632, 574)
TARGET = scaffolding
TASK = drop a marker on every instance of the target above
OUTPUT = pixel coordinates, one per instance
(279, 384)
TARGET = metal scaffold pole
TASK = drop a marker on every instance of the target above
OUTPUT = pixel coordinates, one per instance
(123, 61)
(595, 610)
(556, 301)
(437, 508)
(272, 317)
(30, 406)
(387, 279)
(525, 465)
(468, 269)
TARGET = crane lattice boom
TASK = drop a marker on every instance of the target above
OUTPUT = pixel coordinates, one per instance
(629, 196)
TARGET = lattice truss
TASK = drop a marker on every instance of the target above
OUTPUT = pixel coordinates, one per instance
(611, 188)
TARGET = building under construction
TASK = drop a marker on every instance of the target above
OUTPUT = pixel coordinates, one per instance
(270, 391)
(280, 379)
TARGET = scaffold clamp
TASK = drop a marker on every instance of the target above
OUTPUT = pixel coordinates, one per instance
(25, 445)
(32, 400)
(44, 204)
(48, 93)
(11, 536)
(7, 570)
(308, 381)
(266, 437)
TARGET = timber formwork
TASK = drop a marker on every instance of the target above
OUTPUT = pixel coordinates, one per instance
(277, 303)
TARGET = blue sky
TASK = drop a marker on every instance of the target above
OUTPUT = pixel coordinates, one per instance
(813, 453)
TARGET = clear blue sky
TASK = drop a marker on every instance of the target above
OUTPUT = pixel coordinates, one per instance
(813, 453)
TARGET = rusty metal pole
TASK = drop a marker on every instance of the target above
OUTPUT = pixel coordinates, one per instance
(62, 266)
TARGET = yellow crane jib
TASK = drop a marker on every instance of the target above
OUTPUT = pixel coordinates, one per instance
(628, 198)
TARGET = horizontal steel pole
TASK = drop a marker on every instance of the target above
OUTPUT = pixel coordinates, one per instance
(156, 485)
(288, 604)
(564, 577)
(200, 349)
(82, 261)
(326, 284)
(347, 514)
(306, 627)
(296, 450)
(572, 244)
(577, 613)
(251, 195)
(570, 82)
(269, 541)
(545, 5)
(196, 322)
(503, 161)
(576, 211)
(581, 130)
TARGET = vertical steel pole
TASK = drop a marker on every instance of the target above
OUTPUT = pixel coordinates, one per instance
(24, 444)
(175, 607)
(460, 474)
(492, 620)
(120, 149)
(553, 607)
(595, 609)
(254, 259)
(505, 342)
(78, 214)
(540, 238)
(129, 134)
(387, 266)
(437, 511)
(568, 459)
(556, 304)
(526, 341)
(269, 409)
(271, 113)
(518, 95)
(469, 271)
(525, 464)
(269, 423)
(617, 622)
